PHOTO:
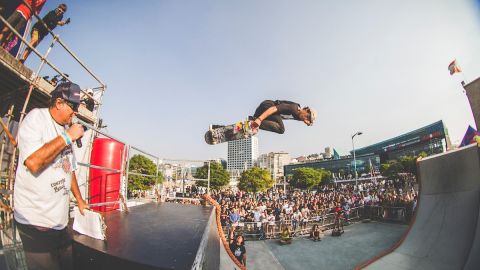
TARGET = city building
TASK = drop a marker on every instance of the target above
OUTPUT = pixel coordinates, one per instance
(274, 162)
(431, 139)
(242, 154)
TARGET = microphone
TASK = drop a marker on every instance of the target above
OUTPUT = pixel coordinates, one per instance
(79, 140)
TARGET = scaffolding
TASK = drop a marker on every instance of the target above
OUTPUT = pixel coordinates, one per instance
(21, 90)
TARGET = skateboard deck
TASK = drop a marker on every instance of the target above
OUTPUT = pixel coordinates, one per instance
(233, 132)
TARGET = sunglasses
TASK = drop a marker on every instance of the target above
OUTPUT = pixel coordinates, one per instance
(73, 106)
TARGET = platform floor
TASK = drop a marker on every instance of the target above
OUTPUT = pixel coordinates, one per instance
(360, 242)
(154, 235)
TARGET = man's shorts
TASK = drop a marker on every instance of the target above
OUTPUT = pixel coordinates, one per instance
(17, 21)
(37, 35)
(37, 239)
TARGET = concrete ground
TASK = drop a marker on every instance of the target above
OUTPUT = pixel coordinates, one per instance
(360, 242)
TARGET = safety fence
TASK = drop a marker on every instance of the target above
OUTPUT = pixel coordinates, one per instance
(299, 228)
(387, 213)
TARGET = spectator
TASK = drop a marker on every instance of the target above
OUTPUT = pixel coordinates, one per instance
(19, 19)
(54, 81)
(224, 217)
(305, 215)
(270, 225)
(88, 101)
(338, 226)
(315, 233)
(39, 31)
(346, 211)
(296, 219)
(277, 211)
(237, 246)
(234, 217)
(285, 236)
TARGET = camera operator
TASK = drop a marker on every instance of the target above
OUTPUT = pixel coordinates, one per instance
(39, 31)
(338, 218)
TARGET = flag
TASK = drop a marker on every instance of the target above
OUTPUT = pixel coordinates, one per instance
(453, 67)
(335, 154)
(470, 136)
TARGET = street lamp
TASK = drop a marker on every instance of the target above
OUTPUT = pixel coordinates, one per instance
(354, 160)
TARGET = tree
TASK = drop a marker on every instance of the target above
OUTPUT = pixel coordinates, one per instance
(141, 164)
(423, 154)
(409, 164)
(327, 176)
(405, 164)
(306, 178)
(218, 176)
(255, 179)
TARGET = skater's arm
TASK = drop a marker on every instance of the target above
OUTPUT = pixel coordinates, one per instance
(265, 115)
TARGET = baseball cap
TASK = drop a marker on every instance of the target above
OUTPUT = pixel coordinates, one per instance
(68, 91)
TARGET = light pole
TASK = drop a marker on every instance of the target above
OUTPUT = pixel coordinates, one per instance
(354, 160)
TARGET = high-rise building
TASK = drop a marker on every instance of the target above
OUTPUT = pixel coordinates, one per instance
(242, 154)
(274, 163)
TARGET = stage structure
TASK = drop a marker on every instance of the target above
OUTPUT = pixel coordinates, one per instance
(23, 89)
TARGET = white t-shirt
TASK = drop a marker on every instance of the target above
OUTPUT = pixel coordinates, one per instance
(42, 199)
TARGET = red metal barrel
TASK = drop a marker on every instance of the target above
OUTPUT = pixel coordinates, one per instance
(105, 184)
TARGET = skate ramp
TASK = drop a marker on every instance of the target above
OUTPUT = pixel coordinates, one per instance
(446, 231)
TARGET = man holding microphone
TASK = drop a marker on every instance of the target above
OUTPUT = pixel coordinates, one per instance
(45, 177)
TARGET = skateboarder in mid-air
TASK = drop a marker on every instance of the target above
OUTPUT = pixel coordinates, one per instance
(269, 114)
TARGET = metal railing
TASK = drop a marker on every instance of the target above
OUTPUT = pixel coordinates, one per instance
(386, 213)
(261, 230)
(12, 248)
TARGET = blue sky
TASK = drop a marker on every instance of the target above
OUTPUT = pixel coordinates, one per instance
(174, 67)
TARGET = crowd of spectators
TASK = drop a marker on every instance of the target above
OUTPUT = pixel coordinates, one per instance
(298, 207)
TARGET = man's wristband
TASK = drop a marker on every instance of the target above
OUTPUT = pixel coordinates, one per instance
(67, 139)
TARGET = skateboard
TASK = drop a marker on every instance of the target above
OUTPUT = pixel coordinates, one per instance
(233, 132)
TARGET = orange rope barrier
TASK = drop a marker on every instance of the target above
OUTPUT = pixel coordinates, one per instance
(220, 231)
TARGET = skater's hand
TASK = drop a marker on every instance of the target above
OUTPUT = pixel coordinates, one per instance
(255, 124)
(307, 122)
